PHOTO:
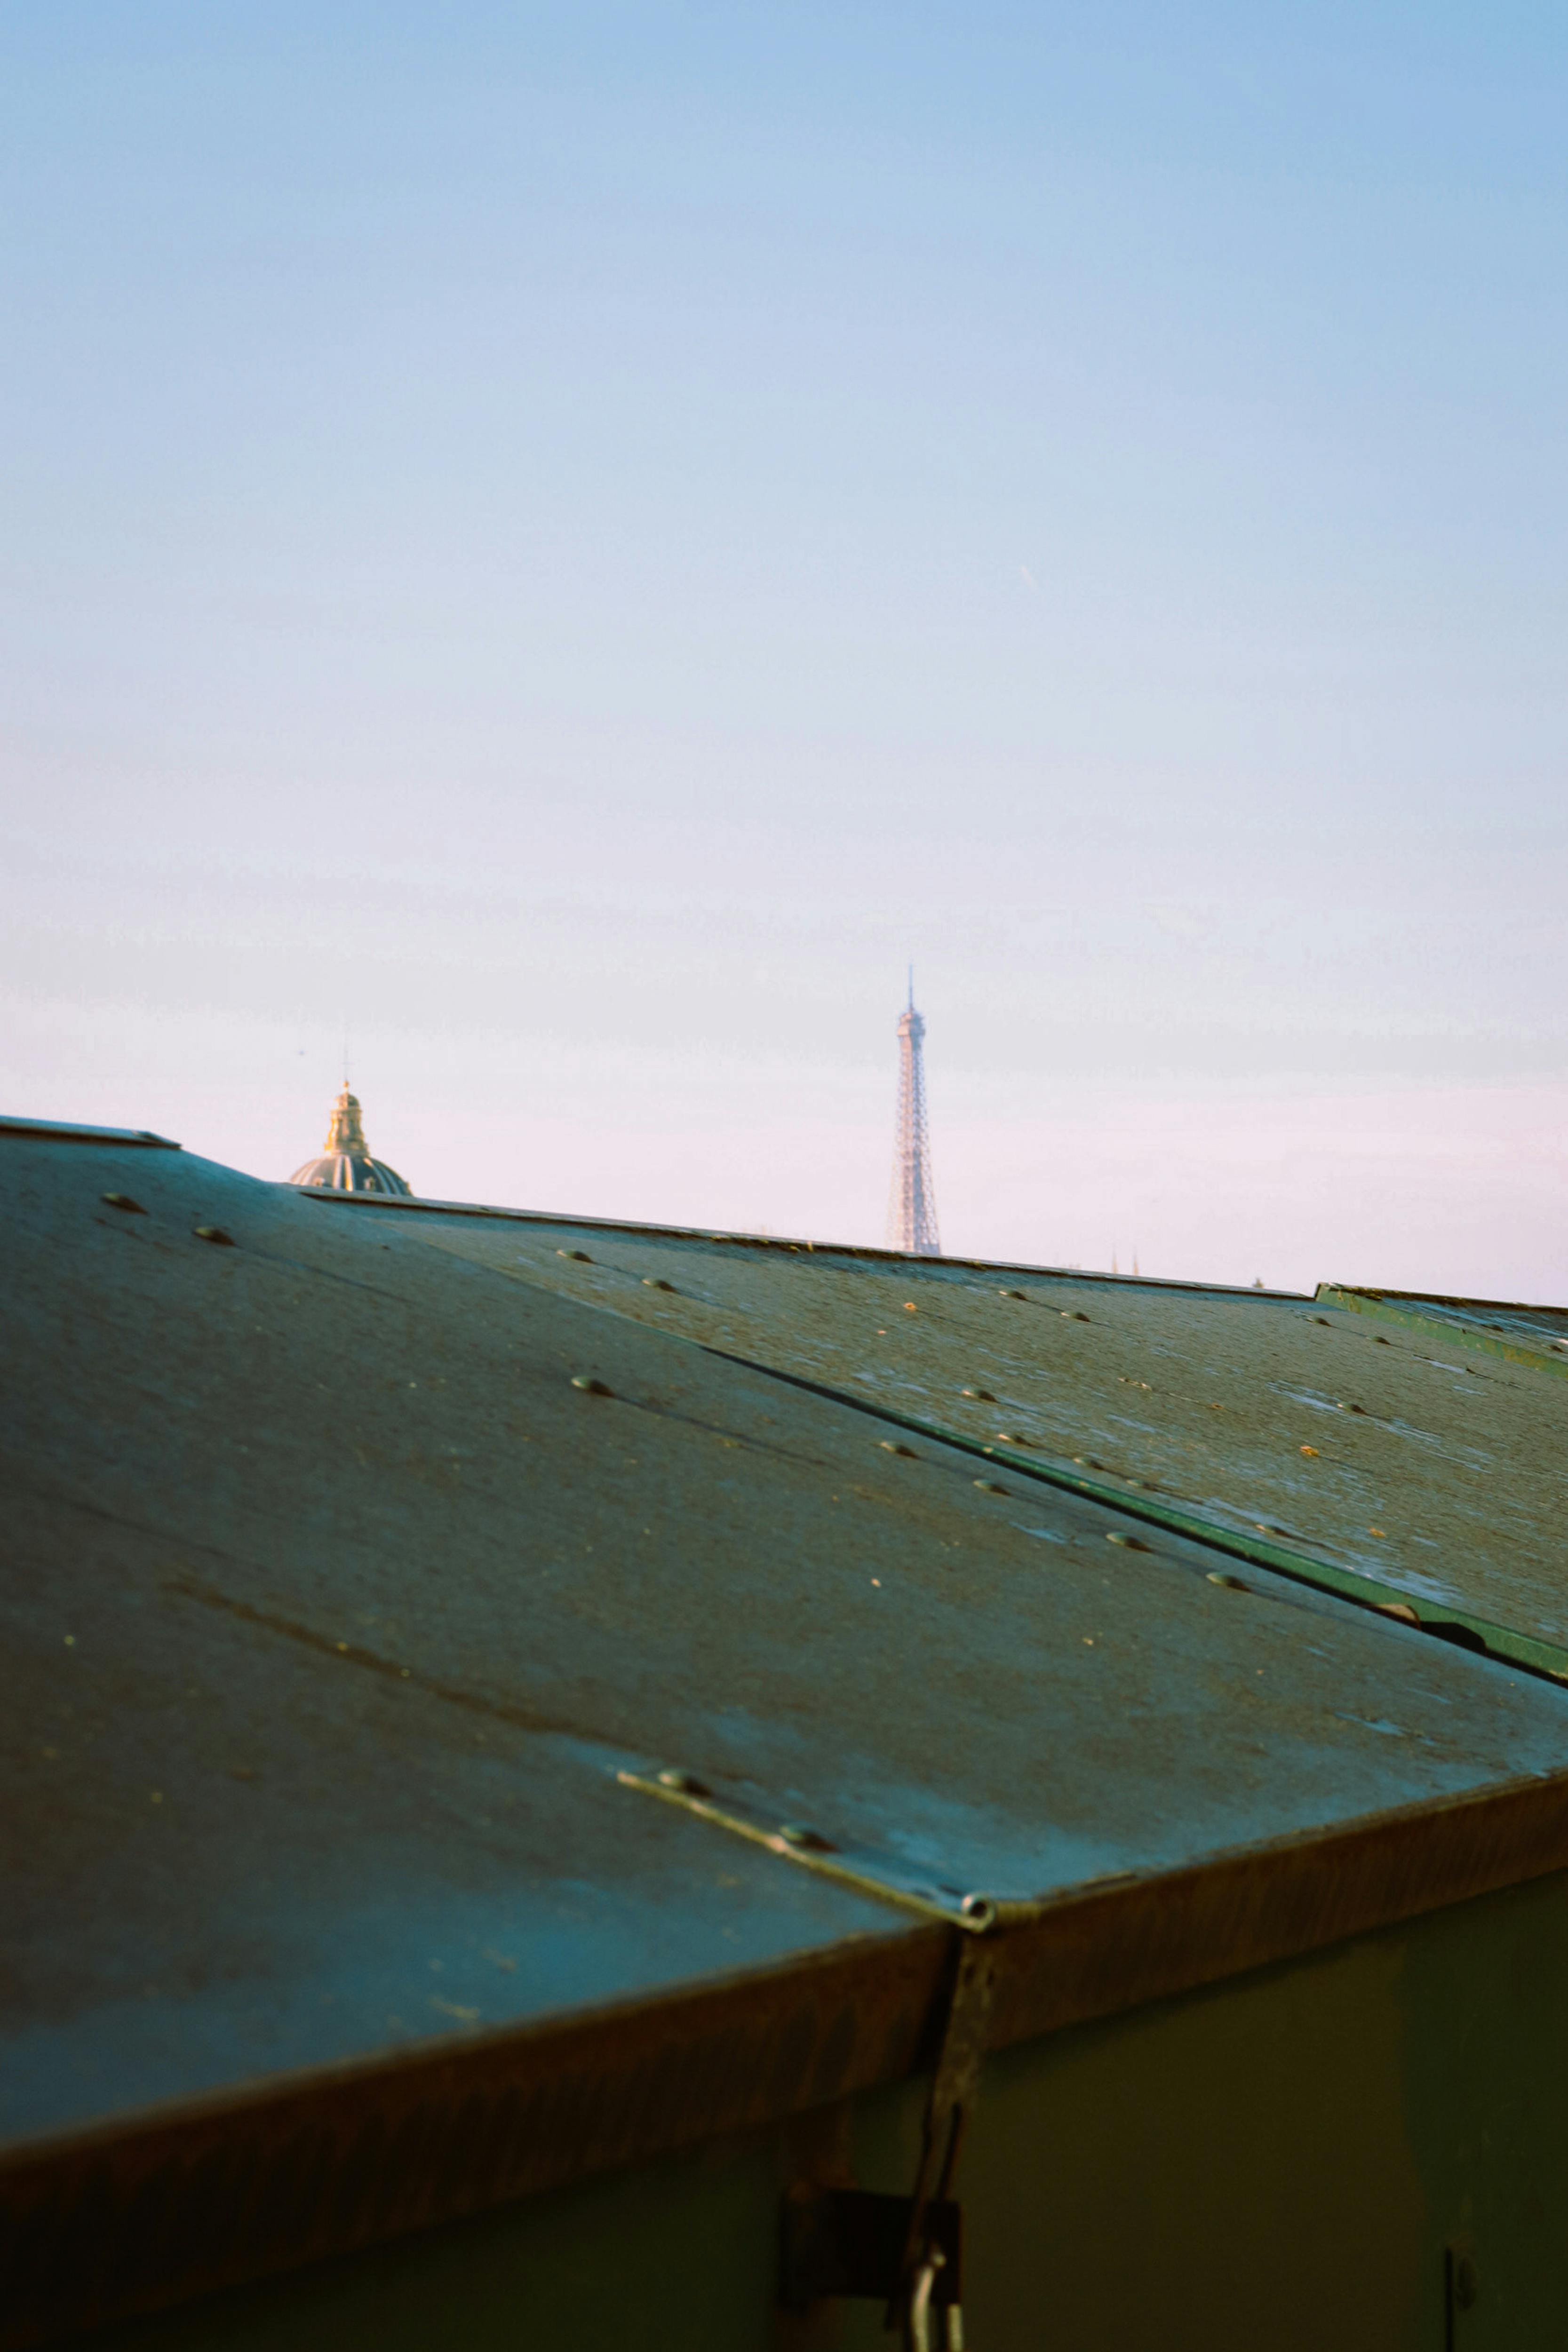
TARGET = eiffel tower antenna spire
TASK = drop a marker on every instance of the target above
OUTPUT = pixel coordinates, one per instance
(911, 1203)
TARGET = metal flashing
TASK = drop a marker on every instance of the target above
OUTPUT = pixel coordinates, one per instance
(868, 1871)
(1527, 1337)
(47, 1130)
(857, 1252)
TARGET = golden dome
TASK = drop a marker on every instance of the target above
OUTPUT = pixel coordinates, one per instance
(345, 1165)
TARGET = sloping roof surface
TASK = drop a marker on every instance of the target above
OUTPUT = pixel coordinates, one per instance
(335, 1603)
(317, 1552)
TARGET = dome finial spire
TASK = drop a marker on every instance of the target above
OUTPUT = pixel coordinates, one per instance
(345, 1131)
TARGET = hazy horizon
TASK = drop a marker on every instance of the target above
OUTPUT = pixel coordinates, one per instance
(570, 544)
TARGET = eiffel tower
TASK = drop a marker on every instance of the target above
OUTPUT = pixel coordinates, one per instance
(911, 1203)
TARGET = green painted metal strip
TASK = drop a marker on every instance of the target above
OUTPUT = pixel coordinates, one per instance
(1467, 1335)
(1500, 1642)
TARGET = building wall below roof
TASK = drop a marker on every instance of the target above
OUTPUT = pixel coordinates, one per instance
(1295, 2159)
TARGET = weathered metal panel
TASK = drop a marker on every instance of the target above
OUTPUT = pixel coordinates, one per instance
(1438, 1471)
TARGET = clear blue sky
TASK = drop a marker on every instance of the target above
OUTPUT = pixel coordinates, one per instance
(577, 539)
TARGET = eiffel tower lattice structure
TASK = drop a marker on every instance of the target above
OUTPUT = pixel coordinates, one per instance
(911, 1203)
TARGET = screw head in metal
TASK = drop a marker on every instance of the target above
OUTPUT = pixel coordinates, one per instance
(799, 1834)
(590, 1386)
(981, 1396)
(124, 1200)
(580, 1255)
(989, 1486)
(980, 1908)
(216, 1235)
(1127, 1543)
(890, 1445)
(686, 1784)
(656, 1282)
(1231, 1583)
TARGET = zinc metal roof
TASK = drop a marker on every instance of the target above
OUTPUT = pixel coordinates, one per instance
(365, 1566)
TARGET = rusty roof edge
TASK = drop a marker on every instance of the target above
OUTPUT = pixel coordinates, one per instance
(866, 1250)
(1506, 1644)
(1271, 1901)
(1389, 1306)
(442, 2052)
(155, 2209)
(150, 2211)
